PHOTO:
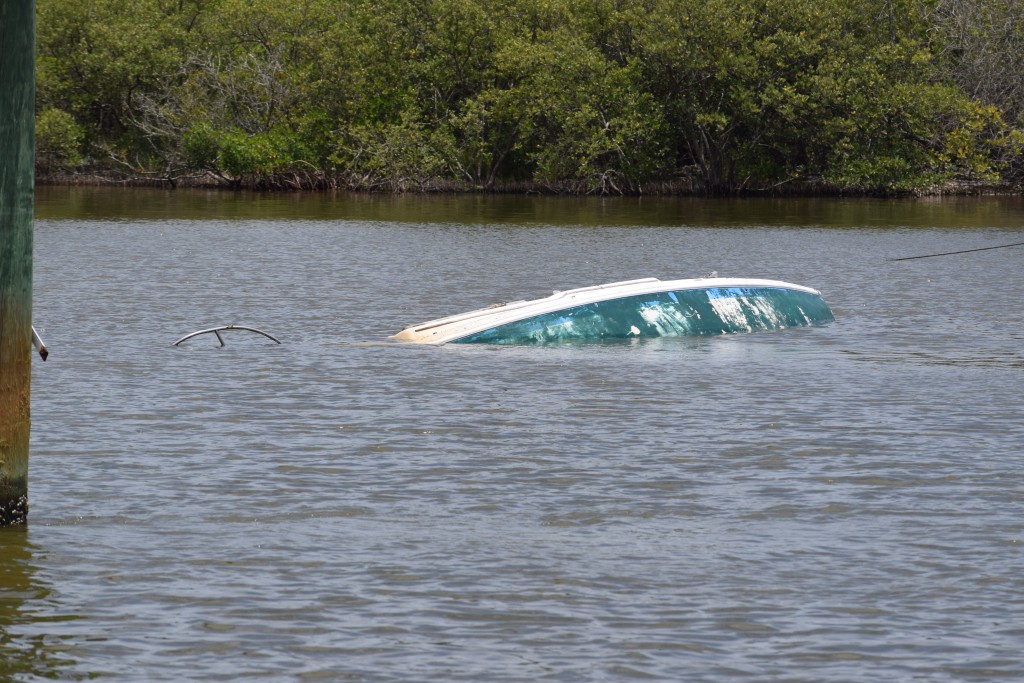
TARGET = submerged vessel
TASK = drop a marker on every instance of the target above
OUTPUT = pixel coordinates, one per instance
(632, 309)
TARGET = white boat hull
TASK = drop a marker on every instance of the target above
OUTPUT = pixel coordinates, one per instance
(633, 309)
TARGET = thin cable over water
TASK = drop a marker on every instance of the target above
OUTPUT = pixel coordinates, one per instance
(962, 251)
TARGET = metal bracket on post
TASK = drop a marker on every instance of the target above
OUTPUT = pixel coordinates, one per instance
(38, 343)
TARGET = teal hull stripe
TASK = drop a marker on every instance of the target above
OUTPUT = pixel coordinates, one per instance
(688, 312)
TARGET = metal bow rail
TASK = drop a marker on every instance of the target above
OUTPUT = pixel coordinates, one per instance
(217, 330)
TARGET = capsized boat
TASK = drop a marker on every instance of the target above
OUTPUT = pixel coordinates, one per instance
(643, 308)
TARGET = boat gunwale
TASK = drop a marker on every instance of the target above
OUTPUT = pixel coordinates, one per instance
(521, 303)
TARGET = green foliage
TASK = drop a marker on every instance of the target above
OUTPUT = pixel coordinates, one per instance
(236, 155)
(94, 55)
(398, 155)
(983, 43)
(588, 96)
(201, 147)
(585, 120)
(58, 141)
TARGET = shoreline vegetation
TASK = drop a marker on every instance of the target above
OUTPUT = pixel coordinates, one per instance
(657, 188)
(609, 97)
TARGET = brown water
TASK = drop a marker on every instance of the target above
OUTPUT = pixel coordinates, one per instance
(842, 503)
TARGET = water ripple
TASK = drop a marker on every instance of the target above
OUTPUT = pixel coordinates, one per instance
(829, 504)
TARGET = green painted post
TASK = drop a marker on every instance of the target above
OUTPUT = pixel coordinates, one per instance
(17, 181)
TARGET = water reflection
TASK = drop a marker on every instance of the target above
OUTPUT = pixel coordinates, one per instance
(98, 203)
(25, 601)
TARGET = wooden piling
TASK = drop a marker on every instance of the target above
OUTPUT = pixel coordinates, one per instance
(17, 169)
